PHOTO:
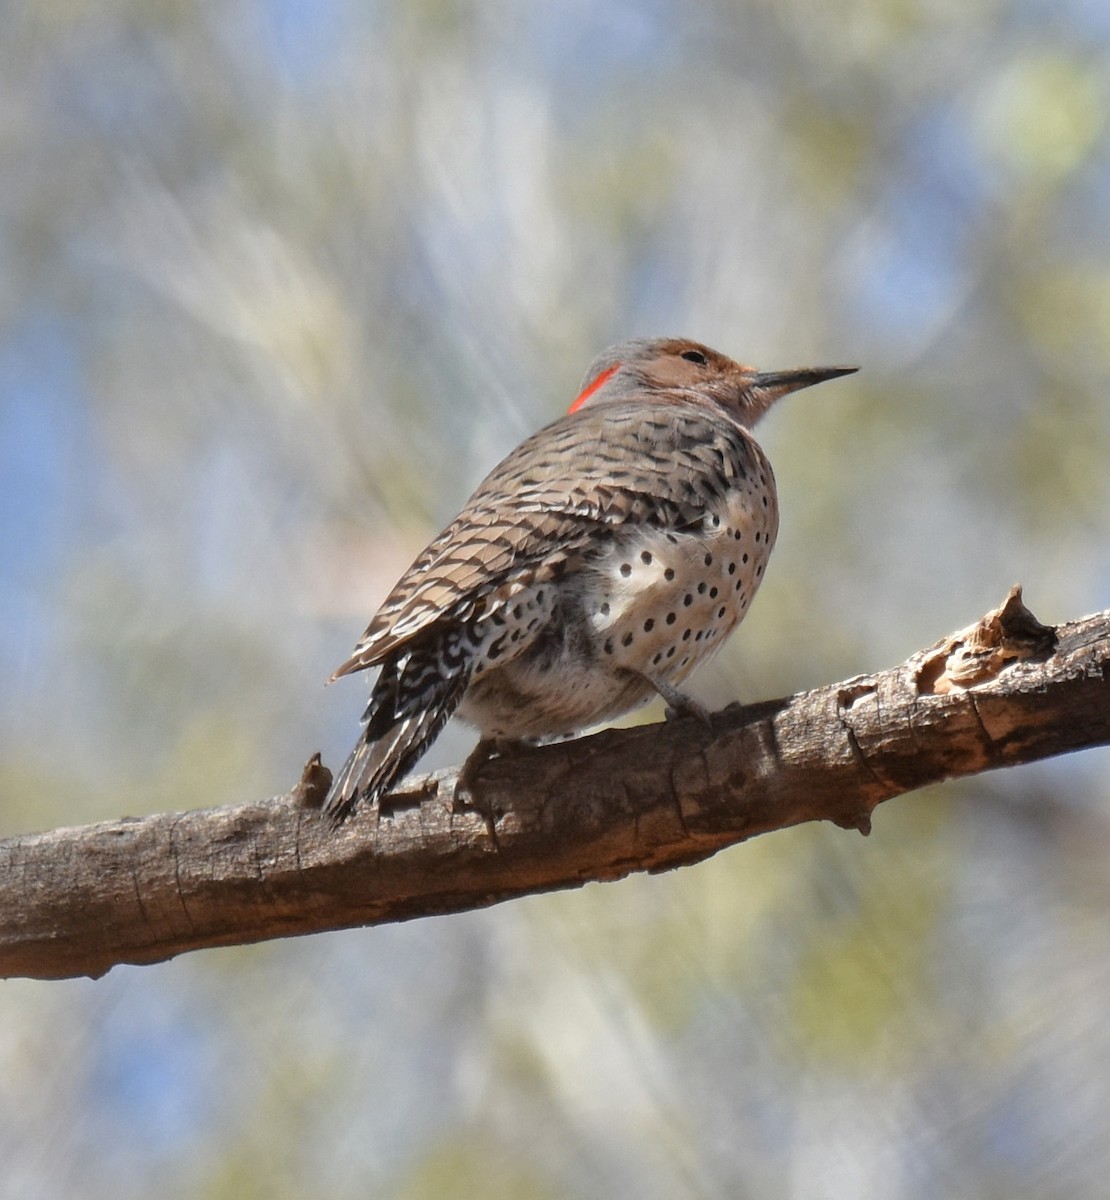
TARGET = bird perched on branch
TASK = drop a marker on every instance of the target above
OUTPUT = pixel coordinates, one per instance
(596, 566)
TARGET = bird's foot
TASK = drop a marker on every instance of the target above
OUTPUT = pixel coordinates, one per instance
(466, 795)
(468, 773)
(679, 704)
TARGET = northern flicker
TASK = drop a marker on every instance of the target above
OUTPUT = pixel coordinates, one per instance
(596, 566)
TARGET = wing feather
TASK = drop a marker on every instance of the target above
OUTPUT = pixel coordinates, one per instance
(542, 507)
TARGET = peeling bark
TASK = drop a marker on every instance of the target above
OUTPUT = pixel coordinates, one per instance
(1004, 691)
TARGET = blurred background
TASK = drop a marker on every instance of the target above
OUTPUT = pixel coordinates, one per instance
(279, 282)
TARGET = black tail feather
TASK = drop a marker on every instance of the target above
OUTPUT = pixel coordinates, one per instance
(411, 703)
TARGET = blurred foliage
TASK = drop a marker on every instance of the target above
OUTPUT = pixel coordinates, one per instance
(280, 281)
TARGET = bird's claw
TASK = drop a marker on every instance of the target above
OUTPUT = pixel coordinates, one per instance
(680, 705)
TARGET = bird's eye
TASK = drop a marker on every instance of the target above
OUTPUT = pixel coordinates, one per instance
(694, 356)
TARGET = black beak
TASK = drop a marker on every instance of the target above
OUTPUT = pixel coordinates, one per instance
(782, 382)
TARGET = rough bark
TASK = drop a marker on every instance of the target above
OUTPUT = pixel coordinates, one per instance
(1002, 692)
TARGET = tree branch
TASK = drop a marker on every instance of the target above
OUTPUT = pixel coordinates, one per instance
(1002, 692)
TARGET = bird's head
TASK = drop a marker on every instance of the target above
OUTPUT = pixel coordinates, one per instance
(677, 369)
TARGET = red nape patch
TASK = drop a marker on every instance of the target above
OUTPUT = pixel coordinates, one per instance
(600, 381)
